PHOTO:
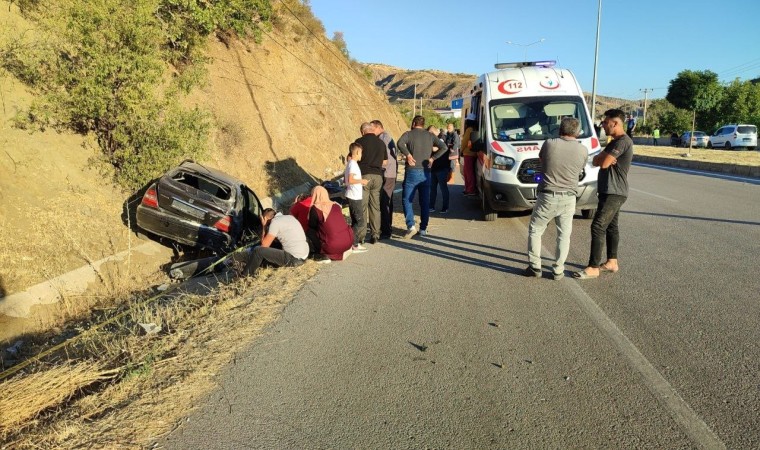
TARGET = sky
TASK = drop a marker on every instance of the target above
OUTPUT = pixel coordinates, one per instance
(643, 44)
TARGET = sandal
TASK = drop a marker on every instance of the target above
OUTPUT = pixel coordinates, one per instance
(583, 275)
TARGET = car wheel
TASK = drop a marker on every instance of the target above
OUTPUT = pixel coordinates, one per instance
(588, 213)
(750, 148)
(489, 215)
(709, 144)
(728, 145)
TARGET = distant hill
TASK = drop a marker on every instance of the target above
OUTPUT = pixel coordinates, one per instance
(441, 87)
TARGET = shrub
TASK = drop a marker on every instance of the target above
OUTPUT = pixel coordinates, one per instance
(102, 69)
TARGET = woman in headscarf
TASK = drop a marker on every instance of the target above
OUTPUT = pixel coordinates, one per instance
(326, 219)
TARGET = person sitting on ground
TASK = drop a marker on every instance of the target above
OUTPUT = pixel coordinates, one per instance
(291, 237)
(326, 219)
(352, 178)
(300, 210)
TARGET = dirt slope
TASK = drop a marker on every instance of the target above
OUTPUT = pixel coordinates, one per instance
(441, 87)
(286, 110)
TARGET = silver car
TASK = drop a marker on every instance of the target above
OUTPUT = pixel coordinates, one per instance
(699, 139)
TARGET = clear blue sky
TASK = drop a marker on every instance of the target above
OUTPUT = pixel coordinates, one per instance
(643, 43)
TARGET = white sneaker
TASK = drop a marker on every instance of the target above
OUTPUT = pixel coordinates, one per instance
(410, 233)
(359, 248)
(423, 232)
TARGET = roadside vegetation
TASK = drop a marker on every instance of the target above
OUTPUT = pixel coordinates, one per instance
(120, 69)
(115, 385)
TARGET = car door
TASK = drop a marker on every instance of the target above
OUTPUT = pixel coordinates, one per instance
(252, 211)
(718, 139)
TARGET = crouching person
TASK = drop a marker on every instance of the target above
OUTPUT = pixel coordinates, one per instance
(291, 237)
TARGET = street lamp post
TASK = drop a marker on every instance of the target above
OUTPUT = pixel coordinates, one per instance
(525, 46)
(596, 62)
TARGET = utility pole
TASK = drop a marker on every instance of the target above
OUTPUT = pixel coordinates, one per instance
(646, 91)
(414, 102)
(596, 62)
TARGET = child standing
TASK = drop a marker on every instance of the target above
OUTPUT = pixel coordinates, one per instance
(353, 180)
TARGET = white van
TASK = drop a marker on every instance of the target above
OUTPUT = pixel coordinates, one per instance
(734, 136)
(518, 107)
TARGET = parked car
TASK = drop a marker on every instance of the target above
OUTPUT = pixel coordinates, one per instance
(699, 139)
(734, 136)
(201, 207)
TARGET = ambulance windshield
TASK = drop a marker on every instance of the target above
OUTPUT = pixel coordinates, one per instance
(535, 118)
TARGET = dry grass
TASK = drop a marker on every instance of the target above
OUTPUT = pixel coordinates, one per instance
(161, 376)
(744, 158)
(30, 395)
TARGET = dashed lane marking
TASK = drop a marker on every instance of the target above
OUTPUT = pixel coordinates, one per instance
(653, 195)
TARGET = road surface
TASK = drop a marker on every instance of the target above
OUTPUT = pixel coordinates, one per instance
(438, 342)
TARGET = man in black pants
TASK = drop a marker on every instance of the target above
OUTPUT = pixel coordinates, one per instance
(373, 161)
(614, 163)
(289, 232)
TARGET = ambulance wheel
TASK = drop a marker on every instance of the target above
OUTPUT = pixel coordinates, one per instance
(588, 213)
(489, 215)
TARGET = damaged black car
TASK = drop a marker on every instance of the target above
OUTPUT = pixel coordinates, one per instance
(201, 207)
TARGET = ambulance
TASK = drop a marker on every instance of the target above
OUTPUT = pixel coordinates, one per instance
(516, 108)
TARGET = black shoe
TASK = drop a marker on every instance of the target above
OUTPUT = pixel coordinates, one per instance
(385, 236)
(531, 272)
(373, 240)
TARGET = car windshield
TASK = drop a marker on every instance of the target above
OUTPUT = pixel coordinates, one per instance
(747, 129)
(699, 134)
(535, 118)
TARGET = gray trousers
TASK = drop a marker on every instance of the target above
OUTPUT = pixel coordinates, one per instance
(557, 206)
(371, 204)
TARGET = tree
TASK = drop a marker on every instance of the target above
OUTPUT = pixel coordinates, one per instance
(340, 42)
(697, 91)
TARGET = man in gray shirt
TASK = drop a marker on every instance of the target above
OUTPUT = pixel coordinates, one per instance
(417, 147)
(562, 161)
(614, 163)
(289, 232)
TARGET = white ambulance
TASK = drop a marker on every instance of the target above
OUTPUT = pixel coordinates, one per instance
(517, 107)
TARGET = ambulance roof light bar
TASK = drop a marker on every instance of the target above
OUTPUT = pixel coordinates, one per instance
(517, 65)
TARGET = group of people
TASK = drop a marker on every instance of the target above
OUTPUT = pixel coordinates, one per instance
(316, 225)
(562, 160)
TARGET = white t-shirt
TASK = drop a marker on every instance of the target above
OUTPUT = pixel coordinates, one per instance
(353, 191)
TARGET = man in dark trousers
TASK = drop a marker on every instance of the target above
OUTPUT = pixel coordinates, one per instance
(417, 147)
(389, 180)
(614, 163)
(562, 161)
(374, 159)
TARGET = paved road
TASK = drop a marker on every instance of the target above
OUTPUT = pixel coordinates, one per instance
(439, 343)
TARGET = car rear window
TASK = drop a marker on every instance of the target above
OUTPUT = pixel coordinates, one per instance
(203, 184)
(744, 129)
(699, 134)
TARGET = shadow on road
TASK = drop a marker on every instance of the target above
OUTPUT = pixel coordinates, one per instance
(2, 288)
(706, 219)
(462, 257)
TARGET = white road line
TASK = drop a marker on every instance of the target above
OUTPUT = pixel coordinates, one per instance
(684, 416)
(700, 172)
(653, 195)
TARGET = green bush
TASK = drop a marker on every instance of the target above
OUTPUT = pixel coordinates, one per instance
(102, 69)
